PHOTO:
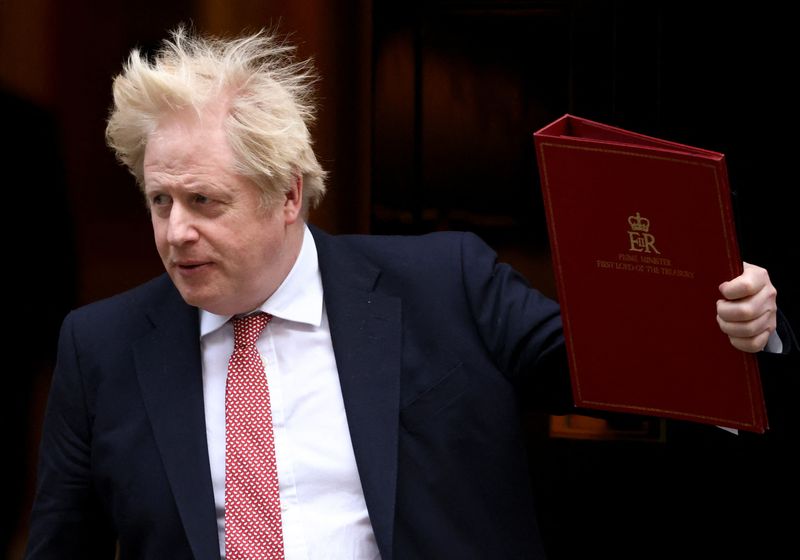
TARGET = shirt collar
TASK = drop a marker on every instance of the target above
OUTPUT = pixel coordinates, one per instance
(298, 298)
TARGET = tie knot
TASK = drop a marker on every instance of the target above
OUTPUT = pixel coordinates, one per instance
(247, 329)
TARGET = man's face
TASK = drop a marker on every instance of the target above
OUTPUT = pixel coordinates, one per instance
(224, 252)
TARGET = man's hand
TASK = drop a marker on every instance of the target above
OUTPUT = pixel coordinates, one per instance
(747, 314)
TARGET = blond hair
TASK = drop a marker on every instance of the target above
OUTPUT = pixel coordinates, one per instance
(269, 105)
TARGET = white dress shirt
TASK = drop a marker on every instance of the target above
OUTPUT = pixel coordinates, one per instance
(774, 343)
(323, 511)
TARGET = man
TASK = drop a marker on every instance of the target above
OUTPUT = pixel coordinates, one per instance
(393, 366)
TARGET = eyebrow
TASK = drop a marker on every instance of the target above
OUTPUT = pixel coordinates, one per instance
(195, 186)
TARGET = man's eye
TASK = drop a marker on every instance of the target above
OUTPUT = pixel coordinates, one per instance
(159, 200)
(201, 199)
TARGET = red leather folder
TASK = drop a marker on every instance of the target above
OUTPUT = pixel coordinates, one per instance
(642, 234)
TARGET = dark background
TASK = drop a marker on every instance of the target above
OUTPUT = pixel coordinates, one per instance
(427, 111)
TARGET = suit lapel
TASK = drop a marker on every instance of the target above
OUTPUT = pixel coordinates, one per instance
(170, 376)
(366, 334)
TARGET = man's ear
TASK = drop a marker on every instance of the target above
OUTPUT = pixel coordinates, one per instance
(293, 205)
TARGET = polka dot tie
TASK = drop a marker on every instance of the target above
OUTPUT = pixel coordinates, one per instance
(252, 501)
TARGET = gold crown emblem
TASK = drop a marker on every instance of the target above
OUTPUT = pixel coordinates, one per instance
(638, 223)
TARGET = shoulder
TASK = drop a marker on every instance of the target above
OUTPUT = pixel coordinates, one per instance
(410, 253)
(125, 311)
(440, 241)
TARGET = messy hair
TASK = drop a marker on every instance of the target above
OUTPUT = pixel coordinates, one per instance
(268, 96)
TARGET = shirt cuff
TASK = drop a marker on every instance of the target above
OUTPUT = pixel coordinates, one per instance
(774, 344)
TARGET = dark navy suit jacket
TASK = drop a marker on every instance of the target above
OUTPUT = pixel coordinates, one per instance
(434, 343)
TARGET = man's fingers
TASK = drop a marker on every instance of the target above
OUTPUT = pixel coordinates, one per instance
(748, 312)
(749, 283)
(748, 329)
(755, 344)
(747, 309)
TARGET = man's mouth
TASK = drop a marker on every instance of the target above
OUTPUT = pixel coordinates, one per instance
(190, 265)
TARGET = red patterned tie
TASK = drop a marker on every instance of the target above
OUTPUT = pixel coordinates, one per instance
(252, 501)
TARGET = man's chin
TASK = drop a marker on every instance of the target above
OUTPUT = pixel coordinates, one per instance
(212, 303)
(196, 296)
(195, 300)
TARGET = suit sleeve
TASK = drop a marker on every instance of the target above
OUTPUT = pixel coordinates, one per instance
(520, 327)
(67, 519)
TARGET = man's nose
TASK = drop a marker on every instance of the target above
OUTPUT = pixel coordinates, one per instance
(181, 227)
